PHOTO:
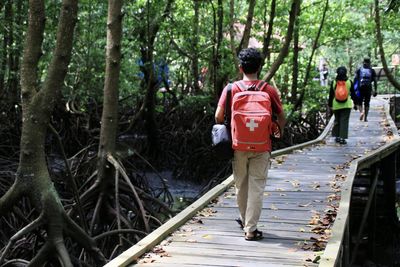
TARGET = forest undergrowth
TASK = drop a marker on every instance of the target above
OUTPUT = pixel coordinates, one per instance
(71, 148)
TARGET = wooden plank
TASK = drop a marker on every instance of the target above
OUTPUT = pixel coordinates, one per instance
(216, 235)
(218, 241)
(219, 224)
(207, 257)
(160, 233)
(330, 257)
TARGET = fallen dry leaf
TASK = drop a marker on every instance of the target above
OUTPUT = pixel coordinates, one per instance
(295, 183)
(147, 260)
(209, 237)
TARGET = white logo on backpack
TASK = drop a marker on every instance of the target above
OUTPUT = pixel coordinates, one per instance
(251, 125)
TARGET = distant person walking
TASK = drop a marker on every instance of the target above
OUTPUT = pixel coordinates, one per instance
(340, 102)
(364, 78)
(254, 102)
(324, 72)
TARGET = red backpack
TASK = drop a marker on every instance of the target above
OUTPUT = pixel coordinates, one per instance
(251, 118)
(341, 92)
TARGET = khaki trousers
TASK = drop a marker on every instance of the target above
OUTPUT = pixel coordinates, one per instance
(250, 170)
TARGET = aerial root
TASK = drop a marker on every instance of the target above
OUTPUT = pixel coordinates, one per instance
(121, 170)
(30, 227)
(84, 240)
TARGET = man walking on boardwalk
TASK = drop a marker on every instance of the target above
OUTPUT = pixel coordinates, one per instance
(365, 76)
(254, 104)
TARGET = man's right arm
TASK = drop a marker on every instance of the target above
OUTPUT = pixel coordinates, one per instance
(219, 115)
(220, 112)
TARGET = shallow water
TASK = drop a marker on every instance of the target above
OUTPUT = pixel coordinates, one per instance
(184, 192)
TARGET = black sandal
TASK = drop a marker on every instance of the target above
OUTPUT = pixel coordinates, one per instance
(239, 221)
(257, 235)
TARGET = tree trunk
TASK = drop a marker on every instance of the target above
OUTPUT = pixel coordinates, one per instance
(195, 48)
(299, 102)
(232, 36)
(379, 39)
(15, 51)
(244, 43)
(218, 80)
(285, 49)
(268, 35)
(4, 55)
(109, 120)
(295, 73)
(33, 178)
(148, 34)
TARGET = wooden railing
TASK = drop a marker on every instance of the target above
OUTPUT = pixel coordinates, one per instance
(338, 251)
(151, 240)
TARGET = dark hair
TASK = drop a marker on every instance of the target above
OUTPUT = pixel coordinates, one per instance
(250, 60)
(341, 74)
(367, 61)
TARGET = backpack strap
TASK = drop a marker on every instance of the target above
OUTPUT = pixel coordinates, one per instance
(241, 85)
(227, 115)
(260, 85)
(244, 87)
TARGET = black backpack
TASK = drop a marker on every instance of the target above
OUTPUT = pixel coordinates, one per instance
(365, 76)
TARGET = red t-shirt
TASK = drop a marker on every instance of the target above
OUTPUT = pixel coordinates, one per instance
(272, 92)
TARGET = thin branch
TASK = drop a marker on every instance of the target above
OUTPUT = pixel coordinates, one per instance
(30, 227)
(10, 197)
(244, 43)
(117, 204)
(119, 168)
(71, 178)
(180, 50)
(232, 35)
(308, 68)
(33, 50)
(285, 49)
(63, 254)
(96, 211)
(84, 240)
(137, 116)
(118, 232)
(379, 38)
(42, 256)
(267, 39)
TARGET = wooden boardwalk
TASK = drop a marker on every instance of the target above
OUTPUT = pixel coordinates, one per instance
(302, 194)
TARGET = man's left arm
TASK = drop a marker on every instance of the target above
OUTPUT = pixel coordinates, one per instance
(277, 108)
(281, 120)
(374, 79)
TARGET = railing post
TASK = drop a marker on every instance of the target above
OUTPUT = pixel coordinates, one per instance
(346, 245)
(372, 214)
(389, 166)
(365, 217)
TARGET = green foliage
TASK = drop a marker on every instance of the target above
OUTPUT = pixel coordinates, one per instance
(197, 103)
(347, 37)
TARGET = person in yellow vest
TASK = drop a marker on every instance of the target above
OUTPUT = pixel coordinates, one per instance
(341, 108)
